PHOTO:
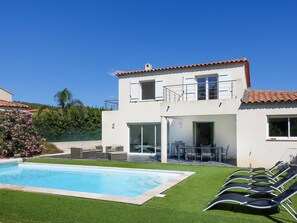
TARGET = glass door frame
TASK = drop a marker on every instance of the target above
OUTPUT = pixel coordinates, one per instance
(155, 124)
(195, 126)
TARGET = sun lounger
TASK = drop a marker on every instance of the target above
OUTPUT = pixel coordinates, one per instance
(259, 203)
(260, 178)
(257, 170)
(250, 187)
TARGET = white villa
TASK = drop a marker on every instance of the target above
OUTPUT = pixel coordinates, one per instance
(202, 104)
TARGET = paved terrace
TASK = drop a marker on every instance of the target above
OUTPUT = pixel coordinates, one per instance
(147, 158)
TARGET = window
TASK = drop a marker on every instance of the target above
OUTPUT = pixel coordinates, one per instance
(201, 88)
(278, 127)
(284, 127)
(212, 88)
(207, 88)
(148, 90)
(293, 127)
(145, 138)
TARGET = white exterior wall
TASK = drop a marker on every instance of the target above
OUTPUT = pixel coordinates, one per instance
(65, 146)
(253, 145)
(5, 95)
(175, 77)
(115, 128)
(181, 128)
(151, 111)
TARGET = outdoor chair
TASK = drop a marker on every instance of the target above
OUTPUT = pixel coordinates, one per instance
(206, 152)
(114, 148)
(191, 154)
(259, 203)
(257, 170)
(179, 144)
(155, 156)
(76, 153)
(260, 178)
(99, 148)
(116, 152)
(224, 153)
(250, 187)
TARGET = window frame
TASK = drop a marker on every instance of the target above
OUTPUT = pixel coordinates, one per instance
(141, 95)
(283, 138)
(156, 145)
(207, 87)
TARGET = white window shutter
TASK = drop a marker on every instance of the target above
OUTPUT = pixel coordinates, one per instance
(190, 89)
(159, 84)
(134, 91)
(225, 86)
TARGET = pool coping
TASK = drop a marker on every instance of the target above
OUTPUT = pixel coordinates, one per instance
(138, 200)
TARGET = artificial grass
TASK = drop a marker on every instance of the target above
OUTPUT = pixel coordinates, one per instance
(183, 203)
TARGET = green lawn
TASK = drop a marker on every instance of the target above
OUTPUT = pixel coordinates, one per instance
(183, 203)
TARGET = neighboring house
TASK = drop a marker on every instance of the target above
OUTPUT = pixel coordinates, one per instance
(202, 104)
(6, 101)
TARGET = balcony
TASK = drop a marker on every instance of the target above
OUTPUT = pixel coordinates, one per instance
(200, 91)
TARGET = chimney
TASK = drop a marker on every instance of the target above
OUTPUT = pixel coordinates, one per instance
(148, 66)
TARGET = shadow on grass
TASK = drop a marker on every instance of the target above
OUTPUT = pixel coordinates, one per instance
(277, 220)
(248, 210)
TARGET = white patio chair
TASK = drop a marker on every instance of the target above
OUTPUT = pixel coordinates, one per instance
(206, 152)
(191, 154)
(224, 153)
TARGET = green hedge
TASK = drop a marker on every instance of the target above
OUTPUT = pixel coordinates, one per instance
(73, 124)
(75, 135)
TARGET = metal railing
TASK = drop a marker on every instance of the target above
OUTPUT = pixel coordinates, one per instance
(200, 91)
(111, 104)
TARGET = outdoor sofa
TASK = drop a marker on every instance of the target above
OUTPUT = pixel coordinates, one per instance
(116, 152)
(79, 153)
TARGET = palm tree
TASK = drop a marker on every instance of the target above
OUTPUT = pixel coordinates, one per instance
(64, 99)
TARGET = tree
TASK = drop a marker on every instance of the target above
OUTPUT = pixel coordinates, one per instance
(64, 99)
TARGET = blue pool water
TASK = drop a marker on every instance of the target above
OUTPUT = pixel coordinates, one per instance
(110, 181)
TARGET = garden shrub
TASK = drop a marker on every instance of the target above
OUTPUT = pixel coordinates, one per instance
(50, 148)
(64, 123)
(18, 135)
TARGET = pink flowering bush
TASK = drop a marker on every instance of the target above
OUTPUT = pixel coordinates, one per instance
(18, 135)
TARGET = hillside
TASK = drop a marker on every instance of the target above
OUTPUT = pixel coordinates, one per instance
(35, 105)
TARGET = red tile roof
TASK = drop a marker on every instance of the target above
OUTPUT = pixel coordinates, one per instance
(242, 60)
(263, 96)
(9, 104)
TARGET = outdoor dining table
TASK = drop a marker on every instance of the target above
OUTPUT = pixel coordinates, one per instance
(184, 149)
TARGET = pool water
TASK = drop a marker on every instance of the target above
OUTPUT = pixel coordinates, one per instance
(99, 180)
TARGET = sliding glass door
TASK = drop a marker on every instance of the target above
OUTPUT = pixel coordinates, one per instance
(145, 138)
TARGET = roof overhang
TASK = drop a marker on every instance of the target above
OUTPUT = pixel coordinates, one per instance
(226, 62)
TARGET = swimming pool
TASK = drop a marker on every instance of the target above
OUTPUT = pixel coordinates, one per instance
(114, 184)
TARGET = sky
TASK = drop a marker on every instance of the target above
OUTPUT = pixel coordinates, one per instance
(49, 45)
